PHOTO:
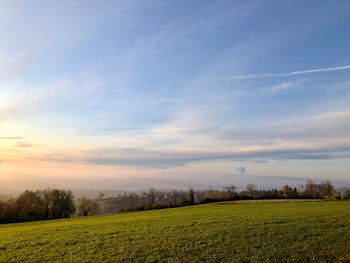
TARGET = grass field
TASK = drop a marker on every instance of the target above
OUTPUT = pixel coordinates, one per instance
(222, 232)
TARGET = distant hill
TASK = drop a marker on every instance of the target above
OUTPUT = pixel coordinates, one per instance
(342, 190)
(94, 193)
(111, 187)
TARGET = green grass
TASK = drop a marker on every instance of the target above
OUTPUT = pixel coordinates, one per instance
(222, 232)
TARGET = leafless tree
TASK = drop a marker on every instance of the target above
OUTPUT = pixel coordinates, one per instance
(251, 190)
(88, 207)
(152, 196)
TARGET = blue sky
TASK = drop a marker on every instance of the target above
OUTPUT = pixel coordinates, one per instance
(183, 90)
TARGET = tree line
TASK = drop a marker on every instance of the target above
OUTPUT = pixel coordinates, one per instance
(154, 199)
(54, 203)
(37, 205)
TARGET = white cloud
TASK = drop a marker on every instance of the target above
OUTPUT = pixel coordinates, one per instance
(331, 125)
(311, 138)
(278, 87)
(300, 72)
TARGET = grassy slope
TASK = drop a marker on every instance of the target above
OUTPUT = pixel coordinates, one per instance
(272, 232)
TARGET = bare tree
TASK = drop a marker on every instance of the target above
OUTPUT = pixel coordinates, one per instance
(230, 191)
(88, 207)
(175, 196)
(152, 196)
(310, 189)
(287, 190)
(191, 196)
(101, 195)
(251, 190)
(133, 200)
(327, 189)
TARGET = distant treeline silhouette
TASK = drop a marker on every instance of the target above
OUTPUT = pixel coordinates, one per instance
(154, 199)
(55, 203)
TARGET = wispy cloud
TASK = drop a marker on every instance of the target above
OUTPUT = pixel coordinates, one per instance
(166, 159)
(330, 125)
(282, 86)
(24, 144)
(11, 138)
(273, 75)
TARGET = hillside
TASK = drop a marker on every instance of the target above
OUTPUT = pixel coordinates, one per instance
(220, 232)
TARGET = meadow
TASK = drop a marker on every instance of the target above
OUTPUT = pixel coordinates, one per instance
(217, 232)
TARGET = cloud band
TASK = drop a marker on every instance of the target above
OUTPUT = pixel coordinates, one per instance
(273, 75)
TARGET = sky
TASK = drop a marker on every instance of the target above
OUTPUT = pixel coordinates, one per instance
(193, 91)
